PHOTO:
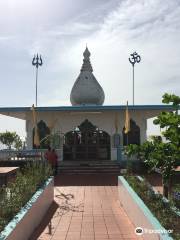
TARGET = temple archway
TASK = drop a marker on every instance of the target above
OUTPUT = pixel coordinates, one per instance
(133, 136)
(43, 132)
(85, 143)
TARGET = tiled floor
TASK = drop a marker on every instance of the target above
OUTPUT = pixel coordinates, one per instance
(86, 212)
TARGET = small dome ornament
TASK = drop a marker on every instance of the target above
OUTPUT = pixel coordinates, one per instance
(86, 89)
(86, 53)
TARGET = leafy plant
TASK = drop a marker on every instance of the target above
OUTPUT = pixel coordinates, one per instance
(176, 195)
(162, 211)
(11, 139)
(163, 155)
(16, 194)
(18, 144)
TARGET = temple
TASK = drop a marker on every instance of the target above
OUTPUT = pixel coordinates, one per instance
(87, 130)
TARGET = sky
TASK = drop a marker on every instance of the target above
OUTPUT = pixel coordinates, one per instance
(112, 29)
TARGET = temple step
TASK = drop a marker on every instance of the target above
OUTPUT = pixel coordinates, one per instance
(89, 167)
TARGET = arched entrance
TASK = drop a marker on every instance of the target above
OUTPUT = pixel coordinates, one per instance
(86, 143)
(133, 136)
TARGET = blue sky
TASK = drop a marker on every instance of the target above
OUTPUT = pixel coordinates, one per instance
(113, 29)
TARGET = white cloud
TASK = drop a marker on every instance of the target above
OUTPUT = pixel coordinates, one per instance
(112, 30)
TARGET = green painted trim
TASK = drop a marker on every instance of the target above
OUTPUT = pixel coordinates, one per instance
(19, 216)
(152, 219)
(161, 107)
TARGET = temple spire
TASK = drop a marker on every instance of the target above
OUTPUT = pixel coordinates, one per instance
(86, 89)
(86, 61)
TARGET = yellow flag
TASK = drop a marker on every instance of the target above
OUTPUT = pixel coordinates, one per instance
(34, 115)
(36, 137)
(127, 120)
(36, 134)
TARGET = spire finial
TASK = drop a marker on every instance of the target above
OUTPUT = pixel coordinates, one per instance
(86, 61)
(86, 53)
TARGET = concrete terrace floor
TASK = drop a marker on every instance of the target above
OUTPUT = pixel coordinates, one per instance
(85, 207)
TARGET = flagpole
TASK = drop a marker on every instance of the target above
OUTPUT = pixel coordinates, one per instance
(36, 139)
(127, 139)
(128, 129)
(127, 123)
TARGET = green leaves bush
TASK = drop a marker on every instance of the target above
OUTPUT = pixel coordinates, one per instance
(161, 210)
(157, 154)
(11, 140)
(176, 195)
(16, 194)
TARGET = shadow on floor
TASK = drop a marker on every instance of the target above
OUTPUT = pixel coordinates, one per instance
(46, 221)
(66, 205)
(86, 180)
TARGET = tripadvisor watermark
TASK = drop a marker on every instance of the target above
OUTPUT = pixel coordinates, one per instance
(140, 231)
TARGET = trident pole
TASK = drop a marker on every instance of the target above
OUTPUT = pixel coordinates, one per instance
(36, 84)
(37, 61)
(134, 58)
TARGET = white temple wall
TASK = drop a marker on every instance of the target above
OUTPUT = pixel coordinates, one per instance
(108, 121)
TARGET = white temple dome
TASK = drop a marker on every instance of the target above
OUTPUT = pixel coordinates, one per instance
(86, 89)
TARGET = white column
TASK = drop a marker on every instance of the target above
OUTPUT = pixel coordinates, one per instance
(29, 130)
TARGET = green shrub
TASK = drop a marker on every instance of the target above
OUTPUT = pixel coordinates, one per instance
(16, 194)
(176, 195)
(161, 210)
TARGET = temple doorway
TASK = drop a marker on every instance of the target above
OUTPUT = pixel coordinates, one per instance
(85, 143)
